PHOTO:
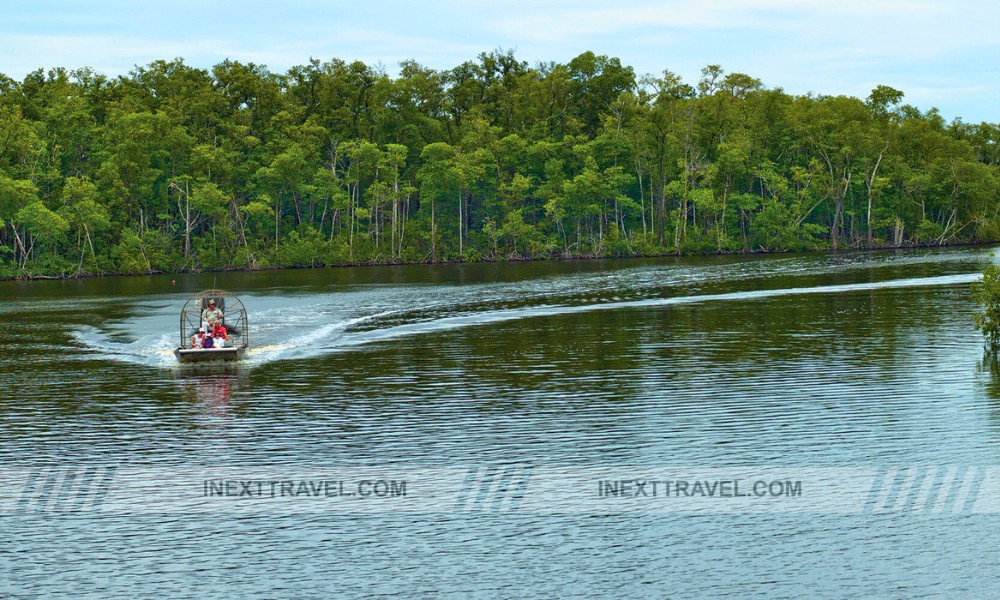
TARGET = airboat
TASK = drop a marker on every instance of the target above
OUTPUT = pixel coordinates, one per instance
(234, 319)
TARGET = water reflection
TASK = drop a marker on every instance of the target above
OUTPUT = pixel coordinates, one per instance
(214, 388)
(989, 371)
(842, 360)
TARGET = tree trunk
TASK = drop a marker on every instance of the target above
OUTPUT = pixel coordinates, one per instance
(721, 226)
(277, 217)
(870, 182)
(351, 213)
(402, 225)
(838, 212)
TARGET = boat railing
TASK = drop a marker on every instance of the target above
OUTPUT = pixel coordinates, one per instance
(234, 317)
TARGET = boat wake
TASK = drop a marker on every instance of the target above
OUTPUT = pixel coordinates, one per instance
(297, 327)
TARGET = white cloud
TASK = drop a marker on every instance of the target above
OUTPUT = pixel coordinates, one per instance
(547, 22)
(828, 46)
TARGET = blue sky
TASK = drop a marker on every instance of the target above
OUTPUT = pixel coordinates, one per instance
(941, 53)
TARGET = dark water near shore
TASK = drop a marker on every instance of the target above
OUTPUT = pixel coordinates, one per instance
(850, 360)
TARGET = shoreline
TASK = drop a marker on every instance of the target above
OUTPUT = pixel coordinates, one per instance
(82, 276)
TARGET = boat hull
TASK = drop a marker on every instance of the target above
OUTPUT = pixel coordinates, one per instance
(211, 355)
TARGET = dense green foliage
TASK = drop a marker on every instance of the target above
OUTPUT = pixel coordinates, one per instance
(987, 293)
(176, 168)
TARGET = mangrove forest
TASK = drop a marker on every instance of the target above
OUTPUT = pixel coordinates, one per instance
(174, 168)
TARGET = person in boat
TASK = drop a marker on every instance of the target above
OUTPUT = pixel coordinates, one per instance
(220, 339)
(208, 342)
(211, 316)
(198, 339)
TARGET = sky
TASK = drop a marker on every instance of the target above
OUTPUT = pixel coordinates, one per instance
(942, 54)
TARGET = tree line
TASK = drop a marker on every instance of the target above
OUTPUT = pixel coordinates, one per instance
(173, 168)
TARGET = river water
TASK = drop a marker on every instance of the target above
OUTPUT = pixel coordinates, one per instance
(474, 385)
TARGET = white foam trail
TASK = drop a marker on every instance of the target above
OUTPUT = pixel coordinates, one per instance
(306, 345)
(819, 289)
(498, 316)
(309, 341)
(152, 350)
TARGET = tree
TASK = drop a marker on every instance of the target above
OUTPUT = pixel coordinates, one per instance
(440, 178)
(82, 209)
(41, 225)
(333, 161)
(598, 81)
(986, 293)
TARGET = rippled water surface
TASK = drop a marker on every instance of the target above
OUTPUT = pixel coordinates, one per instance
(829, 361)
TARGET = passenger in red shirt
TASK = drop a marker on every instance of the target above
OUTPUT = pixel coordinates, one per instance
(221, 337)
